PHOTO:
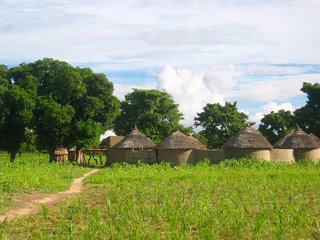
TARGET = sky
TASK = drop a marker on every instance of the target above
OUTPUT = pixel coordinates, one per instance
(255, 52)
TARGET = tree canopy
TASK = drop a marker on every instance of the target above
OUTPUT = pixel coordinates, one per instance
(154, 112)
(276, 125)
(308, 117)
(220, 122)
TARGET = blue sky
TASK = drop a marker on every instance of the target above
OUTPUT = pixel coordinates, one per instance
(256, 52)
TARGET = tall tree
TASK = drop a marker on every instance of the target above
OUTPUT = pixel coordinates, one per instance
(276, 125)
(153, 111)
(220, 122)
(16, 115)
(308, 117)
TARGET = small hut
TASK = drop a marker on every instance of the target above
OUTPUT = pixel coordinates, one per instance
(305, 146)
(132, 148)
(61, 155)
(177, 149)
(72, 154)
(248, 143)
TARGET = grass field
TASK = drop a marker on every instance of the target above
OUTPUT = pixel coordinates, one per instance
(232, 200)
(31, 173)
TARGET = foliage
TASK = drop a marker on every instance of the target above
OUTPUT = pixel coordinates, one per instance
(308, 117)
(232, 200)
(276, 125)
(152, 111)
(220, 122)
(16, 115)
(29, 143)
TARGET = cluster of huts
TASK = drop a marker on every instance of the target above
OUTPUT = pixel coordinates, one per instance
(179, 149)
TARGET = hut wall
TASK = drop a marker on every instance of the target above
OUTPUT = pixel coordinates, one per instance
(281, 155)
(263, 154)
(72, 155)
(175, 156)
(214, 155)
(113, 140)
(310, 154)
(61, 158)
(132, 156)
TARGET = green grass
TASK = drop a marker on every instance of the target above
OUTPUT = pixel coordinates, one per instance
(31, 173)
(232, 200)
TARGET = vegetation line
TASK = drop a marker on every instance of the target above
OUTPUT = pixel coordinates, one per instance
(30, 204)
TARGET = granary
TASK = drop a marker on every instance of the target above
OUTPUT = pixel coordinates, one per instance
(72, 154)
(248, 143)
(305, 146)
(132, 148)
(177, 149)
(61, 154)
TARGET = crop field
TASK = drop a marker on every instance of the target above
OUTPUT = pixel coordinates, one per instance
(232, 200)
(32, 173)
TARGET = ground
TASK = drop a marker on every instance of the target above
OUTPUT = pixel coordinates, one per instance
(232, 200)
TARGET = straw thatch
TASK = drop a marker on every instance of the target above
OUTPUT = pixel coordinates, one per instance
(61, 154)
(178, 140)
(135, 140)
(61, 151)
(298, 140)
(248, 138)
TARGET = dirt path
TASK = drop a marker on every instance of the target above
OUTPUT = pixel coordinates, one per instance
(30, 204)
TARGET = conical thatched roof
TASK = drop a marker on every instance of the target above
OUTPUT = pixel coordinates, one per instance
(61, 151)
(298, 139)
(248, 138)
(73, 149)
(178, 140)
(135, 139)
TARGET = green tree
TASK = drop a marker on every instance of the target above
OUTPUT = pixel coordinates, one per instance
(201, 139)
(153, 111)
(220, 122)
(16, 115)
(276, 125)
(308, 117)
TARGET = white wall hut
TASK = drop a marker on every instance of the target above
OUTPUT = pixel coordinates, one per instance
(177, 149)
(305, 146)
(248, 143)
(132, 148)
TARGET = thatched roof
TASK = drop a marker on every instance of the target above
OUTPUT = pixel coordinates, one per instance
(73, 149)
(298, 139)
(178, 140)
(248, 138)
(61, 151)
(135, 139)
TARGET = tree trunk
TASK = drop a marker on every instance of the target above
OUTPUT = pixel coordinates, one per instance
(13, 156)
(79, 155)
(51, 152)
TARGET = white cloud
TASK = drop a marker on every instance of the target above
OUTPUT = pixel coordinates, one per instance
(268, 107)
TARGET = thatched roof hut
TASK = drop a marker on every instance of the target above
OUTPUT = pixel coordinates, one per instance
(305, 146)
(135, 140)
(61, 154)
(132, 148)
(248, 143)
(297, 140)
(177, 148)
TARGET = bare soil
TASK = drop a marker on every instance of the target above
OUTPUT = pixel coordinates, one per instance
(31, 204)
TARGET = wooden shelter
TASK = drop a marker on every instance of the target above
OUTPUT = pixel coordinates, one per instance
(248, 143)
(72, 154)
(305, 146)
(132, 148)
(61, 155)
(177, 149)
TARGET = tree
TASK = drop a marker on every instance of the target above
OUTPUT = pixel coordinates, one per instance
(276, 125)
(219, 122)
(153, 111)
(201, 139)
(308, 117)
(16, 115)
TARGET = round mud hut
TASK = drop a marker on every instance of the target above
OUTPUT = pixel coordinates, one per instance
(177, 149)
(132, 148)
(305, 146)
(248, 143)
(61, 155)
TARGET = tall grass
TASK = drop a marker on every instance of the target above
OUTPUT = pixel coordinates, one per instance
(232, 200)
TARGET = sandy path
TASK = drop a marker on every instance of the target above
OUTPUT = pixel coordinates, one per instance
(30, 204)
